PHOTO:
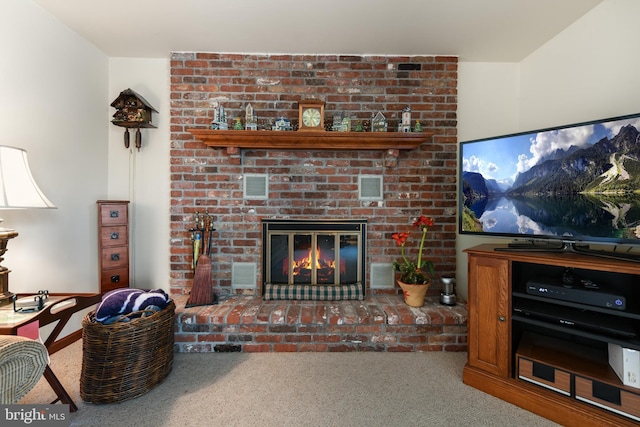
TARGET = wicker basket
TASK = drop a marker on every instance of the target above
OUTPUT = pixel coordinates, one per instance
(124, 360)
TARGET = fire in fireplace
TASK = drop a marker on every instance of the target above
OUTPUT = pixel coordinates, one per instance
(311, 252)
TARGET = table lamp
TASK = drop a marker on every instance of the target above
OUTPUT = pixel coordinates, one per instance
(18, 190)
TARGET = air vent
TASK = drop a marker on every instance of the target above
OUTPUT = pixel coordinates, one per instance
(409, 67)
(243, 275)
(256, 186)
(382, 275)
(370, 187)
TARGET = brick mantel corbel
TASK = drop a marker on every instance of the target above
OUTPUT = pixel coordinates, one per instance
(391, 158)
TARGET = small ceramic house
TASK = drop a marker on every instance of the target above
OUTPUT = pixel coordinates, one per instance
(337, 122)
(282, 124)
(250, 119)
(405, 125)
(379, 123)
(219, 121)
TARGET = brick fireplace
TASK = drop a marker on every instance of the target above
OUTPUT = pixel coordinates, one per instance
(312, 184)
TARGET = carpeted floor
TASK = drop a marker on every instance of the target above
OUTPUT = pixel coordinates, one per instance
(296, 389)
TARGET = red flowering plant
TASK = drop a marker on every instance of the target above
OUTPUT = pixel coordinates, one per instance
(421, 271)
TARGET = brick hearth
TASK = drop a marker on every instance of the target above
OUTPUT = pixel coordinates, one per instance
(379, 323)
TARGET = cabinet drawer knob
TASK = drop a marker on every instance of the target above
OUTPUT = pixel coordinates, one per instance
(115, 278)
(114, 214)
(115, 235)
(115, 257)
(502, 318)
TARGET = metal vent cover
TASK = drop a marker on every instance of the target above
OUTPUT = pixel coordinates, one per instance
(382, 275)
(244, 275)
(256, 186)
(370, 187)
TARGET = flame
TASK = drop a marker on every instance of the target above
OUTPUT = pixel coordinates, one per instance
(306, 262)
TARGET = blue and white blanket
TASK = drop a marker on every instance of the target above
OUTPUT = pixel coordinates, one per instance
(118, 303)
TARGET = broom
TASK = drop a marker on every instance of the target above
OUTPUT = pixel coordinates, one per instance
(202, 291)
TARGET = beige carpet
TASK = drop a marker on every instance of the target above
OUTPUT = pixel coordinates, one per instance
(296, 389)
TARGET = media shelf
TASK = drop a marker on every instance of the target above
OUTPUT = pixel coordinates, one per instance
(574, 333)
(588, 312)
(631, 312)
(537, 348)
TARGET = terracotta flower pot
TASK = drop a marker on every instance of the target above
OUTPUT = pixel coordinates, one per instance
(414, 294)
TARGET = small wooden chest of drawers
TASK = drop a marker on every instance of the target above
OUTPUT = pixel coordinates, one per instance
(113, 244)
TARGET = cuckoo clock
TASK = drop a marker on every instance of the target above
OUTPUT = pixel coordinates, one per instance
(132, 111)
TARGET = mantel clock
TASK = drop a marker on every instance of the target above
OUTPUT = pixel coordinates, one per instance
(311, 115)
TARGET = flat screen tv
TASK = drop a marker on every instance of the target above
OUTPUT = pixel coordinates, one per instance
(556, 189)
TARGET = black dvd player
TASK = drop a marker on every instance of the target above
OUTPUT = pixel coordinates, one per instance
(552, 289)
(575, 318)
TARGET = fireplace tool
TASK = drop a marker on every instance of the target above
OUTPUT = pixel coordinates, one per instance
(202, 289)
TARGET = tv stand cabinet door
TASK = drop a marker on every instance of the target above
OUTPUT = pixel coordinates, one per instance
(489, 315)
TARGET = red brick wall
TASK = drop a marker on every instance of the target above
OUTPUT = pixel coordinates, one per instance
(308, 184)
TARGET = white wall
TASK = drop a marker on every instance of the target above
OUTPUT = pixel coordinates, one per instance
(53, 103)
(487, 106)
(588, 72)
(142, 177)
(56, 94)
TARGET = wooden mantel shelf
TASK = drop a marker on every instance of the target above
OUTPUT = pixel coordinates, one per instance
(300, 140)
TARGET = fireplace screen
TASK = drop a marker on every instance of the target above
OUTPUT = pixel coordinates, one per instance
(313, 252)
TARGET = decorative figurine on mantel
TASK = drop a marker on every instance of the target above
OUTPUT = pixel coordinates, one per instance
(346, 124)
(405, 126)
(238, 124)
(337, 122)
(132, 111)
(341, 123)
(282, 124)
(379, 123)
(418, 127)
(250, 119)
(219, 121)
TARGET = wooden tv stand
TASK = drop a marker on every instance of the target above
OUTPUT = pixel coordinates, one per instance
(544, 366)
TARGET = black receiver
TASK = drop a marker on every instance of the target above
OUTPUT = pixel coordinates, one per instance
(586, 296)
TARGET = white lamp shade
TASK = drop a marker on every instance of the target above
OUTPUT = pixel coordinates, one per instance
(17, 186)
